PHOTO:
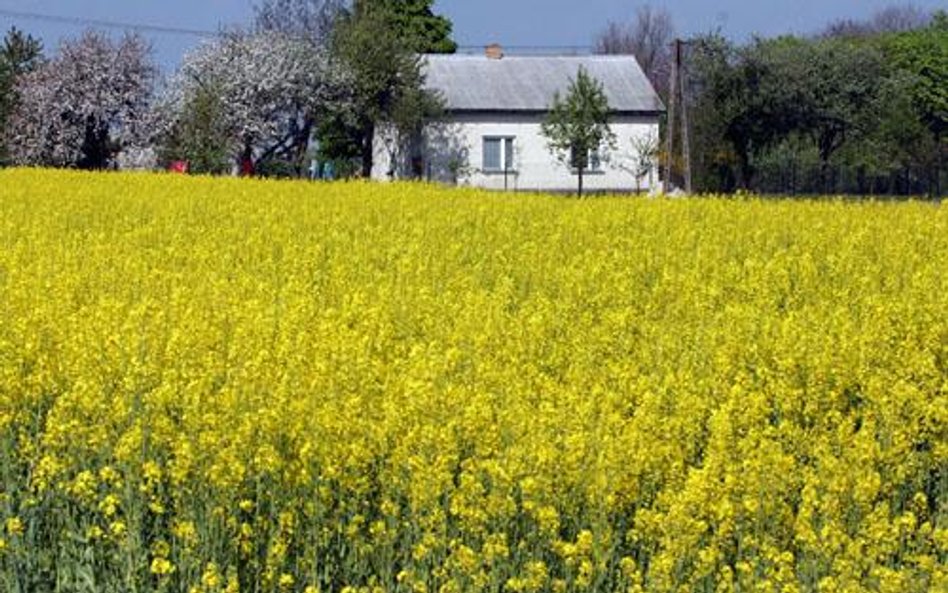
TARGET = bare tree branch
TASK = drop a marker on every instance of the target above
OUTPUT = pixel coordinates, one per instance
(309, 19)
(647, 37)
(893, 19)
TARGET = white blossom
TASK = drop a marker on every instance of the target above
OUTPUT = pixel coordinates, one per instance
(85, 105)
(270, 85)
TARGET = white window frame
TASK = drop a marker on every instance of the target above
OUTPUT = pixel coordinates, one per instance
(508, 150)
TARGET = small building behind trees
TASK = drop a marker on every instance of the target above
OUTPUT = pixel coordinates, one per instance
(490, 133)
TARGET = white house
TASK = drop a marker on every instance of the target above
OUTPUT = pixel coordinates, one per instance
(495, 105)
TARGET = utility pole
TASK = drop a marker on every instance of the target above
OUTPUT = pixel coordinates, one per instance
(678, 107)
(670, 122)
(685, 120)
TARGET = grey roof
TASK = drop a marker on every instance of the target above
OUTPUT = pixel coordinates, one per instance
(527, 83)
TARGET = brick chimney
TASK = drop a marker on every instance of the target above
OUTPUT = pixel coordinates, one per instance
(494, 51)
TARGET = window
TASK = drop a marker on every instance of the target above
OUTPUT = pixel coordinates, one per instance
(593, 164)
(498, 153)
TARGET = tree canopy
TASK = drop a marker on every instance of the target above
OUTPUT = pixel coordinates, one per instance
(417, 25)
(249, 95)
(577, 125)
(84, 106)
(831, 113)
(377, 43)
(387, 84)
(923, 54)
(19, 54)
(414, 21)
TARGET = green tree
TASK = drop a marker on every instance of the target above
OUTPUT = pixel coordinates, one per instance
(923, 56)
(709, 83)
(857, 113)
(788, 89)
(199, 136)
(839, 88)
(895, 146)
(820, 89)
(418, 26)
(19, 54)
(387, 88)
(577, 125)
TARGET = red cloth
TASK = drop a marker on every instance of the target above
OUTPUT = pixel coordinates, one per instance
(246, 167)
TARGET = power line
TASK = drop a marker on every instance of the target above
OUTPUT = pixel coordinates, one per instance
(87, 22)
(110, 24)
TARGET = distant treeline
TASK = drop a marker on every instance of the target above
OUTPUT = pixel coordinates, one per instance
(852, 111)
(859, 108)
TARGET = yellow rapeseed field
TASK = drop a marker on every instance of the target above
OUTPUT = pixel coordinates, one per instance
(213, 385)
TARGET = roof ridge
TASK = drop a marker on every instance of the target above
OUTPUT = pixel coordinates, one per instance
(533, 57)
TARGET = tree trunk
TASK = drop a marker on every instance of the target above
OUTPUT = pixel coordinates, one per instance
(747, 170)
(793, 177)
(580, 181)
(302, 146)
(939, 164)
(368, 135)
(247, 167)
(824, 166)
(95, 146)
(829, 142)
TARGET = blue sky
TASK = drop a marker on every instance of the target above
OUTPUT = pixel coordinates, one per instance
(476, 22)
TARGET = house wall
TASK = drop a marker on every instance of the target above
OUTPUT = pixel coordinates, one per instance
(452, 152)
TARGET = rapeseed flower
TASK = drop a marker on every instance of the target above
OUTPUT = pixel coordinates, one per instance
(249, 385)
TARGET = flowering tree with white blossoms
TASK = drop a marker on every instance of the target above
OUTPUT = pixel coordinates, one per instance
(84, 106)
(266, 86)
